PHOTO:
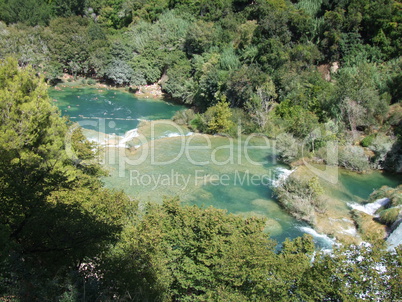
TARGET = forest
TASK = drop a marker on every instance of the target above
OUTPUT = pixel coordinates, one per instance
(280, 68)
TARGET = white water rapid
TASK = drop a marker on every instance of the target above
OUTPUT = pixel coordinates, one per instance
(369, 208)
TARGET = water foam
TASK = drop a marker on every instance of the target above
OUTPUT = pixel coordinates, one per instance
(282, 175)
(113, 140)
(176, 134)
(395, 238)
(369, 208)
(128, 136)
(322, 238)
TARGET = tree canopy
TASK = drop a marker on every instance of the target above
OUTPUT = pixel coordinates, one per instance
(54, 213)
(286, 69)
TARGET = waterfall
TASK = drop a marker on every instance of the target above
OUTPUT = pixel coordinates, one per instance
(128, 136)
(323, 239)
(176, 134)
(395, 238)
(369, 208)
(283, 174)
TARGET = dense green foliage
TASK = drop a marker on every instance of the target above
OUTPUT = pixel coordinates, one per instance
(183, 253)
(65, 238)
(290, 66)
(54, 213)
(390, 213)
(306, 72)
(301, 198)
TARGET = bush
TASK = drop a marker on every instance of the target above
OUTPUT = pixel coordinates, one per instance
(382, 192)
(274, 126)
(288, 147)
(184, 117)
(393, 209)
(91, 82)
(241, 119)
(369, 230)
(353, 158)
(198, 123)
(396, 197)
(329, 154)
(365, 142)
(393, 159)
(381, 145)
(301, 198)
(298, 120)
(389, 216)
(217, 118)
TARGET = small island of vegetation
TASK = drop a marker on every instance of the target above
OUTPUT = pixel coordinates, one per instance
(306, 74)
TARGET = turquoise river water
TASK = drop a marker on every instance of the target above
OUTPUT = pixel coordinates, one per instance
(153, 160)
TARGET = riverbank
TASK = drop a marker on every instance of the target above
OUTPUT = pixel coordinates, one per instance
(153, 91)
(340, 221)
(238, 193)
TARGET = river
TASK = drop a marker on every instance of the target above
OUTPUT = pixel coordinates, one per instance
(165, 160)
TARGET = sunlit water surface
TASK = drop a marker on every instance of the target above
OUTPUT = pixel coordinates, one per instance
(162, 160)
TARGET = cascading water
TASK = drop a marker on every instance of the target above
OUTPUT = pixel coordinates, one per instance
(283, 174)
(322, 240)
(129, 136)
(370, 208)
(395, 238)
(201, 170)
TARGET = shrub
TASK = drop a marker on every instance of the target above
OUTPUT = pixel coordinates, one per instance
(382, 192)
(301, 198)
(91, 82)
(288, 147)
(365, 142)
(393, 209)
(353, 158)
(389, 216)
(396, 196)
(393, 159)
(184, 117)
(329, 154)
(369, 230)
(381, 145)
(217, 119)
(198, 123)
(242, 119)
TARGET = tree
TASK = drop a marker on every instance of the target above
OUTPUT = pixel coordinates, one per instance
(69, 44)
(119, 72)
(147, 10)
(186, 253)
(67, 8)
(53, 210)
(113, 13)
(358, 100)
(262, 102)
(179, 85)
(200, 37)
(218, 118)
(353, 273)
(209, 10)
(30, 12)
